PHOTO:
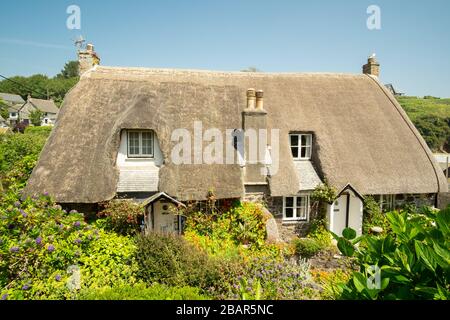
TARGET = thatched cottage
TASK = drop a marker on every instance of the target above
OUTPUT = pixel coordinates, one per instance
(114, 138)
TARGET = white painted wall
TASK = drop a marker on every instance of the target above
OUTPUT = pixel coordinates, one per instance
(124, 162)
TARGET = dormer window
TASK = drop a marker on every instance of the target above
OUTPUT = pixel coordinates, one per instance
(140, 144)
(301, 145)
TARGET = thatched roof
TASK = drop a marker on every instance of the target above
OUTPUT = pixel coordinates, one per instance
(363, 136)
(48, 106)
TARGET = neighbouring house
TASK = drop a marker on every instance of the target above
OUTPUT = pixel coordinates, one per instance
(392, 89)
(13, 112)
(47, 107)
(120, 132)
(12, 102)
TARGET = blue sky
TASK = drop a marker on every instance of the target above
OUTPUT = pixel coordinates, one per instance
(413, 45)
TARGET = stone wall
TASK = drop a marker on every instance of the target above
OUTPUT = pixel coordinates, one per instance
(289, 230)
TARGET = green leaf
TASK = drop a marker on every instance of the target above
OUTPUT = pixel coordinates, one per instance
(444, 253)
(384, 283)
(345, 247)
(397, 221)
(360, 281)
(426, 254)
(349, 233)
(443, 221)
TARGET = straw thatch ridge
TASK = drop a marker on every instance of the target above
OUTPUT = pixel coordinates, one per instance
(361, 135)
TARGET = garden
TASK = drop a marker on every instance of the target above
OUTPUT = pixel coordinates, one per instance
(47, 252)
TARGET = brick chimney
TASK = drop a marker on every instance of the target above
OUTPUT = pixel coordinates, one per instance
(87, 58)
(372, 67)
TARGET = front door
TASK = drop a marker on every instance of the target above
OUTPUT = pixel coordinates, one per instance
(164, 219)
(340, 214)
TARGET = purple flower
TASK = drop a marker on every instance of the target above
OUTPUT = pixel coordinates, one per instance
(58, 277)
(45, 194)
(77, 241)
(24, 214)
(26, 287)
(14, 249)
(51, 248)
(73, 211)
(77, 224)
(38, 240)
(17, 204)
(4, 297)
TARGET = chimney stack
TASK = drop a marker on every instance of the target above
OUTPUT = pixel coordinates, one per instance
(87, 58)
(372, 67)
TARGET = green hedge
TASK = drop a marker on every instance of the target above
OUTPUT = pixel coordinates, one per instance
(141, 292)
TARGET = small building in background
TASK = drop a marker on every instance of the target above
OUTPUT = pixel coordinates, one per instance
(47, 107)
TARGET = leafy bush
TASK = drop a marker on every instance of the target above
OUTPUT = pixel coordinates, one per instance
(413, 261)
(41, 246)
(142, 292)
(307, 247)
(319, 232)
(242, 224)
(122, 216)
(169, 259)
(14, 147)
(324, 193)
(373, 216)
(43, 130)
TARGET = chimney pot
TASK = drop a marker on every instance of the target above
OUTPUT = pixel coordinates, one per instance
(260, 100)
(251, 98)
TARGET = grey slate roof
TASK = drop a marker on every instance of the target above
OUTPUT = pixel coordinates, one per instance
(307, 175)
(11, 98)
(138, 179)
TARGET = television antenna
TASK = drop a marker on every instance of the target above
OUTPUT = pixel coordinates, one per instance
(79, 42)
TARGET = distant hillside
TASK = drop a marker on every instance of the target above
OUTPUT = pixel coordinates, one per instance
(431, 116)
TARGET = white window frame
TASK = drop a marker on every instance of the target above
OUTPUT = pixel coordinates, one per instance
(295, 217)
(140, 154)
(300, 146)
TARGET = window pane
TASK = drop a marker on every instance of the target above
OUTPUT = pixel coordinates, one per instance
(300, 201)
(294, 152)
(306, 140)
(294, 140)
(289, 213)
(301, 212)
(308, 152)
(289, 202)
(303, 153)
(147, 143)
(133, 143)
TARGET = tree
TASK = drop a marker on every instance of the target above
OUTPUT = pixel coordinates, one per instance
(70, 70)
(36, 117)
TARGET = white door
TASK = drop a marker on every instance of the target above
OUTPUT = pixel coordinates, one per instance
(164, 220)
(339, 214)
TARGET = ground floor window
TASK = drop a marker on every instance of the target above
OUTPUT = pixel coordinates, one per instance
(296, 208)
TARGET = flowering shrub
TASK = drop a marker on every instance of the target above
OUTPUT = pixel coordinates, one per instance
(242, 224)
(43, 248)
(268, 278)
(122, 216)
